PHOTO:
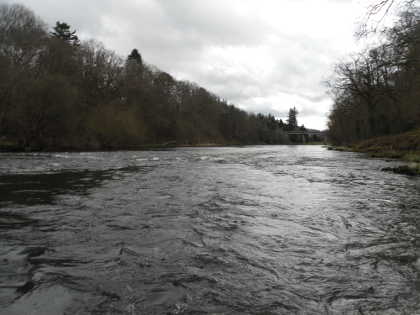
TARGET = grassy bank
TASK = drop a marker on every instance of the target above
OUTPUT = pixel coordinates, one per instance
(405, 146)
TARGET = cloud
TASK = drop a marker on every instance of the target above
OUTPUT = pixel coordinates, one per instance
(264, 56)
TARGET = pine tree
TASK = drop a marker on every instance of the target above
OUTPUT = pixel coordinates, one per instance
(292, 120)
(63, 32)
(135, 56)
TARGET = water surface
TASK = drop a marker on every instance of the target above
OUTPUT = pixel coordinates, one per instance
(251, 230)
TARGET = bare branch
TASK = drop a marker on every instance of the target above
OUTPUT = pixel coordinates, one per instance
(382, 9)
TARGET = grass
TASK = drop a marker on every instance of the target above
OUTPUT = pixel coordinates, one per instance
(405, 146)
(404, 142)
(7, 145)
(412, 157)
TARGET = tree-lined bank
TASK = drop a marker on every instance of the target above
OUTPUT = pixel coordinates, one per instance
(377, 95)
(377, 92)
(57, 93)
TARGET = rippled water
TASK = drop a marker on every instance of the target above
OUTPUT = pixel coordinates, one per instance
(252, 230)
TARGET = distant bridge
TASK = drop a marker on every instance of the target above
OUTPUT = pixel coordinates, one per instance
(303, 136)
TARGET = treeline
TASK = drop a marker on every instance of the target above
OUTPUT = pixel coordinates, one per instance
(378, 92)
(59, 93)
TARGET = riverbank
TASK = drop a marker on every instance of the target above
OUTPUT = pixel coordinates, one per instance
(11, 147)
(405, 147)
(8, 146)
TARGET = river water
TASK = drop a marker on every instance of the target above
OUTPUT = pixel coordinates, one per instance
(247, 230)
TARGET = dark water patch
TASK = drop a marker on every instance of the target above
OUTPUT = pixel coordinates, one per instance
(12, 220)
(34, 189)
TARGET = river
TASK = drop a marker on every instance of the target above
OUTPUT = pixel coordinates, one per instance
(236, 230)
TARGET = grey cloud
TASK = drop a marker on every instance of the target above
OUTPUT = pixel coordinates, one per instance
(213, 23)
(268, 109)
(176, 36)
(83, 15)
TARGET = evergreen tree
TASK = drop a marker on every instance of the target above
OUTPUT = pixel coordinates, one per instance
(292, 120)
(134, 65)
(63, 32)
(281, 124)
(135, 56)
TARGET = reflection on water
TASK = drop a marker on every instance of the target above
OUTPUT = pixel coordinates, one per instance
(254, 230)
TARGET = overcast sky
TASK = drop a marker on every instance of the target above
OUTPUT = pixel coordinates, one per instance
(261, 55)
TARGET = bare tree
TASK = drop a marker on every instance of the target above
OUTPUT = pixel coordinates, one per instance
(22, 36)
(376, 93)
(381, 9)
